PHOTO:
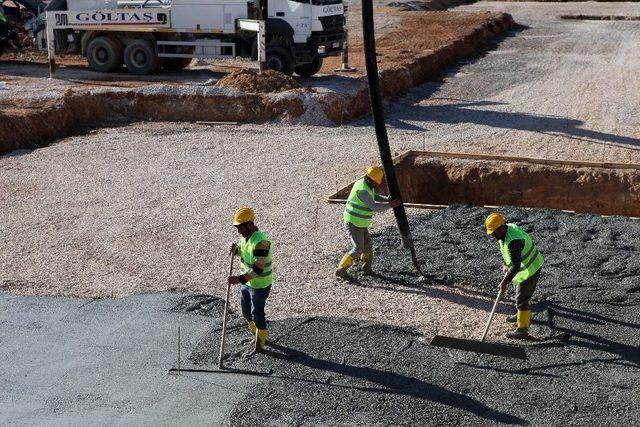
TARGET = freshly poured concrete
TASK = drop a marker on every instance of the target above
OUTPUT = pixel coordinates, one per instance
(67, 361)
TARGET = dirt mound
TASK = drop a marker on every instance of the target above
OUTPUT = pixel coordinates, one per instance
(251, 81)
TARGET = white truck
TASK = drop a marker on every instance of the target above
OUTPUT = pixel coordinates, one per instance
(147, 35)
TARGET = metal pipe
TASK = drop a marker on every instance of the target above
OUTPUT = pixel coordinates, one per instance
(381, 129)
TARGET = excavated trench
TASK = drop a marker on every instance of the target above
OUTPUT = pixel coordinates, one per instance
(33, 123)
(430, 180)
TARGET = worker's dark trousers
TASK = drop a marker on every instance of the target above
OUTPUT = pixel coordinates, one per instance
(252, 302)
(525, 290)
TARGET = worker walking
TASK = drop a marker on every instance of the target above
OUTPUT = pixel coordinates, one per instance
(255, 251)
(357, 216)
(522, 263)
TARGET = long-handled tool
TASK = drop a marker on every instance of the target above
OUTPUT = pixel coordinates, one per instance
(381, 129)
(481, 346)
(223, 333)
(223, 339)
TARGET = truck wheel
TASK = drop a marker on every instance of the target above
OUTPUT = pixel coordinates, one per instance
(104, 54)
(279, 59)
(140, 57)
(175, 64)
(308, 70)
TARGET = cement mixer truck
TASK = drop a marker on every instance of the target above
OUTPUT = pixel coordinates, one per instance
(148, 35)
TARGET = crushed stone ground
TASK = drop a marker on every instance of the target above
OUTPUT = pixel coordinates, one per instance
(588, 258)
(144, 208)
(345, 372)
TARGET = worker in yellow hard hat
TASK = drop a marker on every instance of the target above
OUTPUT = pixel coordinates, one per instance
(255, 251)
(522, 264)
(357, 216)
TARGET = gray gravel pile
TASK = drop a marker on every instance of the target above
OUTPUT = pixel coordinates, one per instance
(204, 305)
(344, 372)
(587, 257)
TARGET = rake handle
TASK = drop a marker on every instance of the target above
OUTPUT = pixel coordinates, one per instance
(224, 318)
(493, 311)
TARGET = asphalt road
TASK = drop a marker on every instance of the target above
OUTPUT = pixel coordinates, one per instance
(66, 361)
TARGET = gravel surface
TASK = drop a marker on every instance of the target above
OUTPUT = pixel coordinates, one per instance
(344, 372)
(587, 258)
(147, 207)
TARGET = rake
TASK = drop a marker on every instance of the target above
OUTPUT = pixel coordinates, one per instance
(481, 346)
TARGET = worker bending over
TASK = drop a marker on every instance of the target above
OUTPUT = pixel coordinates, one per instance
(255, 251)
(522, 263)
(357, 216)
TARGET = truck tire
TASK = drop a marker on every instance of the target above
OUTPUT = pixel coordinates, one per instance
(176, 64)
(278, 58)
(308, 70)
(104, 54)
(140, 57)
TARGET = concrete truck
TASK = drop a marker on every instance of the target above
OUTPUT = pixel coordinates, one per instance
(147, 35)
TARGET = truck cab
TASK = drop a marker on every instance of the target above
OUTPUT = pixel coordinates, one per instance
(310, 29)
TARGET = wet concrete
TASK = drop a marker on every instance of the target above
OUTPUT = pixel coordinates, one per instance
(587, 257)
(67, 361)
(345, 372)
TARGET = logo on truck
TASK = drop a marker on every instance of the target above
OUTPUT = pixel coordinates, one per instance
(118, 17)
(335, 9)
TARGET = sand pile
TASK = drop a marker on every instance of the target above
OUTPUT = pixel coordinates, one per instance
(252, 82)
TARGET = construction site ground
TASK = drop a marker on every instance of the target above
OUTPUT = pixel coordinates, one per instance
(414, 46)
(143, 208)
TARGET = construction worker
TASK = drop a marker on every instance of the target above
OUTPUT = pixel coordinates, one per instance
(357, 216)
(522, 263)
(255, 251)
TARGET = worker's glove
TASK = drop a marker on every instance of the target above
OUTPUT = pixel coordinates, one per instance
(233, 249)
(233, 280)
(502, 287)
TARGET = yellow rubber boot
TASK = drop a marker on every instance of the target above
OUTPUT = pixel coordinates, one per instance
(252, 327)
(261, 339)
(524, 320)
(345, 263)
(366, 259)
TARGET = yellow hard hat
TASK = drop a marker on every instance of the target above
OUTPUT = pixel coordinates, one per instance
(493, 222)
(243, 215)
(375, 173)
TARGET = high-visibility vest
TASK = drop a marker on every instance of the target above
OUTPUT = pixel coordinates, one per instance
(246, 256)
(531, 259)
(355, 211)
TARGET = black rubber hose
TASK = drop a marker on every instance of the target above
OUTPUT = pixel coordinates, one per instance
(381, 129)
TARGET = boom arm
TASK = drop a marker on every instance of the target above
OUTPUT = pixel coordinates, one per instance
(381, 129)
